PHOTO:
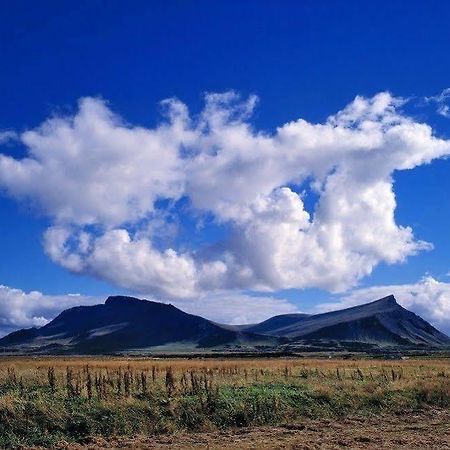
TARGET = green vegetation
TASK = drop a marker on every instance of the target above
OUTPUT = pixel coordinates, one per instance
(44, 401)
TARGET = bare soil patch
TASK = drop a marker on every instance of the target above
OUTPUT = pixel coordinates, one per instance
(429, 429)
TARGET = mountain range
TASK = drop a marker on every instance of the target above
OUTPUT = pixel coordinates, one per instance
(128, 324)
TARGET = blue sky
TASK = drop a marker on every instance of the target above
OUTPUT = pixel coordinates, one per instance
(304, 59)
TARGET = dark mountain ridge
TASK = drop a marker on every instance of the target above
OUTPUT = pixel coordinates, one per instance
(129, 324)
(125, 323)
(382, 321)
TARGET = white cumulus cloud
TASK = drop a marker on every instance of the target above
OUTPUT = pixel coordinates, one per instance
(19, 309)
(107, 186)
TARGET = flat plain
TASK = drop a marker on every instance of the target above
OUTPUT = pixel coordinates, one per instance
(109, 402)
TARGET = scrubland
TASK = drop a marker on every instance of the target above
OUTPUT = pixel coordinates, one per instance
(45, 401)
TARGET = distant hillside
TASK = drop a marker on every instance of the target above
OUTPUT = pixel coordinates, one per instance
(126, 323)
(270, 326)
(129, 324)
(383, 322)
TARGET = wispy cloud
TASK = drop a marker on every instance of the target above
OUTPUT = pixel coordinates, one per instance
(442, 102)
(6, 136)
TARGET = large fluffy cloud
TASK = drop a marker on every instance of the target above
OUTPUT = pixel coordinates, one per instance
(107, 185)
(93, 169)
(429, 298)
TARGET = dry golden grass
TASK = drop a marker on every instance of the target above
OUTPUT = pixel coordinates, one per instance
(46, 399)
(229, 372)
(35, 365)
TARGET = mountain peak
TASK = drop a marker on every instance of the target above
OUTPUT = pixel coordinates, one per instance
(391, 299)
(120, 299)
(388, 300)
(381, 321)
(124, 301)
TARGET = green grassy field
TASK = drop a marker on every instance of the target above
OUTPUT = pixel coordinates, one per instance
(47, 400)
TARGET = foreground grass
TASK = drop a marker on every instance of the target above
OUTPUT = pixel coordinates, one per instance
(43, 401)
